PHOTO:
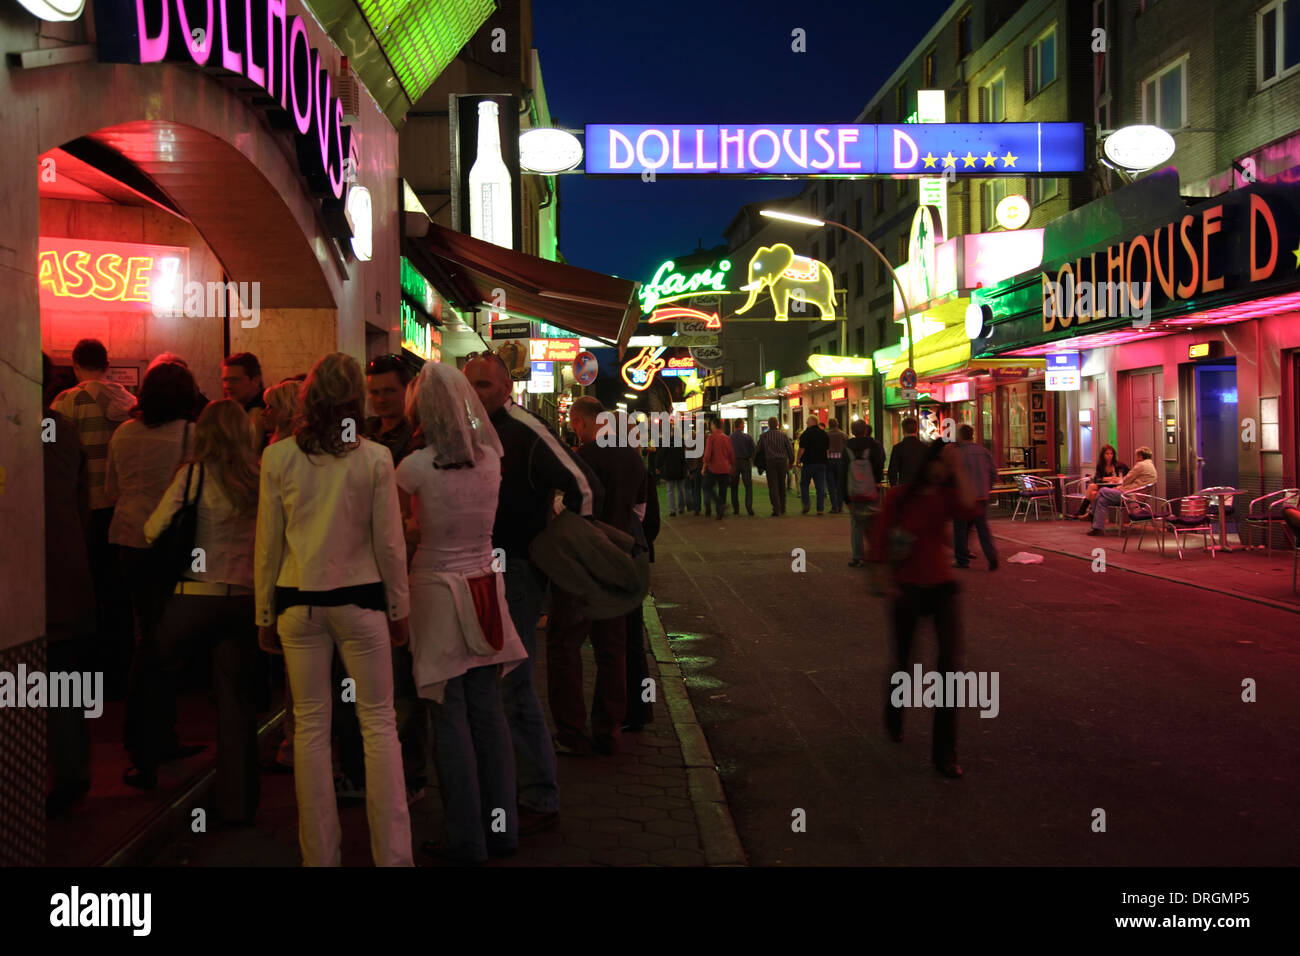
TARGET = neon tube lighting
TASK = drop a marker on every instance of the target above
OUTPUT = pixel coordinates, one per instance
(791, 217)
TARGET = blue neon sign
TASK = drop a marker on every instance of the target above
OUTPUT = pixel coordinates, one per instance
(916, 149)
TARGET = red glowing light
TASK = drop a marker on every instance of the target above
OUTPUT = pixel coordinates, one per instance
(88, 275)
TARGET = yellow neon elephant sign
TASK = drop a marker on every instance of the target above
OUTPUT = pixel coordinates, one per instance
(787, 277)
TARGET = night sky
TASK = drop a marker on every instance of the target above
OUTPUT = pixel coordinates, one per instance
(702, 62)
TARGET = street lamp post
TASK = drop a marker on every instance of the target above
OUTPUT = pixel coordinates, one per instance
(907, 311)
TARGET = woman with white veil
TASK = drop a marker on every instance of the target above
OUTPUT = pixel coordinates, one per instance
(462, 638)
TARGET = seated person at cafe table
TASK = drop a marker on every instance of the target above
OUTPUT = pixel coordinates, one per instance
(1109, 472)
(1140, 475)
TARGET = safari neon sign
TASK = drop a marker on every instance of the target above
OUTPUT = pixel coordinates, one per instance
(86, 275)
(668, 284)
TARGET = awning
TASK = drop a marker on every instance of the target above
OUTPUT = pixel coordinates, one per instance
(473, 274)
(946, 354)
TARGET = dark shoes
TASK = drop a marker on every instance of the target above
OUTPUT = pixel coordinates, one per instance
(572, 745)
(855, 563)
(1096, 533)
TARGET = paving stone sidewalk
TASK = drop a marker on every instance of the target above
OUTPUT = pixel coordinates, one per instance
(657, 803)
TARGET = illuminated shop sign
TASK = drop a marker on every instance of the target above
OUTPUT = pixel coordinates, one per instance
(1062, 371)
(553, 350)
(543, 378)
(839, 365)
(640, 371)
(677, 313)
(86, 275)
(794, 401)
(419, 337)
(255, 39)
(671, 283)
(419, 291)
(839, 394)
(1221, 247)
(963, 149)
(55, 10)
(681, 367)
(789, 278)
(957, 392)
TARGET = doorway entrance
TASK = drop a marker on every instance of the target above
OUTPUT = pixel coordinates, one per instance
(1215, 388)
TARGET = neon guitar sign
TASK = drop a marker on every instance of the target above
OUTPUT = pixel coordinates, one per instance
(640, 371)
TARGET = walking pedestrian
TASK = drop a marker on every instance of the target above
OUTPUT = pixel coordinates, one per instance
(864, 486)
(672, 469)
(719, 462)
(835, 476)
(909, 555)
(640, 711)
(905, 457)
(813, 444)
(778, 452)
(210, 611)
(331, 571)
(96, 407)
(622, 477)
(982, 473)
(461, 633)
(742, 446)
(534, 466)
(241, 379)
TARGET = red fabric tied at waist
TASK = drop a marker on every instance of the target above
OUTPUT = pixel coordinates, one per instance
(488, 610)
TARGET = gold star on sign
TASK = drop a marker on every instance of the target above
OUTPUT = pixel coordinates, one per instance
(950, 160)
(969, 159)
(1296, 253)
(1009, 159)
(930, 159)
(989, 158)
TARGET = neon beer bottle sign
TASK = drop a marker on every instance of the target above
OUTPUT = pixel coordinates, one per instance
(668, 285)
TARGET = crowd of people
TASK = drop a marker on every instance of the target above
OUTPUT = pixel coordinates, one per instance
(388, 561)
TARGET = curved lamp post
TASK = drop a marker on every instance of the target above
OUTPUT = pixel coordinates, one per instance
(907, 311)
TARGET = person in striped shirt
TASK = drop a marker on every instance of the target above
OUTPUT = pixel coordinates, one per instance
(778, 451)
(96, 407)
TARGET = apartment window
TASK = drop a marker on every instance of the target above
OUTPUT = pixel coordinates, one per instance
(965, 35)
(927, 71)
(901, 102)
(842, 282)
(816, 251)
(880, 332)
(830, 348)
(992, 192)
(1164, 96)
(859, 279)
(1041, 190)
(1041, 63)
(993, 100)
(902, 252)
(880, 273)
(1278, 43)
(861, 337)
(857, 214)
(878, 188)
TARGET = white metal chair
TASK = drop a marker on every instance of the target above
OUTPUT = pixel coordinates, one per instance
(1291, 521)
(1190, 515)
(1033, 491)
(1266, 511)
(1115, 519)
(1076, 493)
(1145, 511)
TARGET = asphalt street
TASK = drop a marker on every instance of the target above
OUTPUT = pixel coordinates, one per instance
(1118, 693)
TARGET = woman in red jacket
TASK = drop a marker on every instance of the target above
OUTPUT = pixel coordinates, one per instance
(910, 545)
(719, 460)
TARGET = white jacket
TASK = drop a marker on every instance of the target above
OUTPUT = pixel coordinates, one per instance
(226, 538)
(325, 522)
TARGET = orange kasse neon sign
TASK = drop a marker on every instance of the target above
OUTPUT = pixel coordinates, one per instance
(87, 274)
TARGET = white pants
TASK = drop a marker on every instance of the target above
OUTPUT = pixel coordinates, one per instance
(308, 636)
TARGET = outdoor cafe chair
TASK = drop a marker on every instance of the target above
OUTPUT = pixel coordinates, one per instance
(1190, 515)
(1291, 521)
(1117, 513)
(1076, 492)
(1266, 511)
(1145, 511)
(1033, 491)
(1221, 494)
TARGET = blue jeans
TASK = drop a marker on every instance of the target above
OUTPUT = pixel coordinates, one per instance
(817, 474)
(534, 751)
(676, 495)
(1106, 498)
(476, 770)
(693, 484)
(833, 488)
(961, 536)
(861, 515)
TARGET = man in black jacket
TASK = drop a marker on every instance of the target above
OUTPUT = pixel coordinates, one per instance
(534, 466)
(906, 456)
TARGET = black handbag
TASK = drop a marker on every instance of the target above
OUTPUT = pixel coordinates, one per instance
(174, 548)
(760, 460)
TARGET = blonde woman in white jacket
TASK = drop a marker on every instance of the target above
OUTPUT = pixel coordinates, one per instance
(330, 570)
